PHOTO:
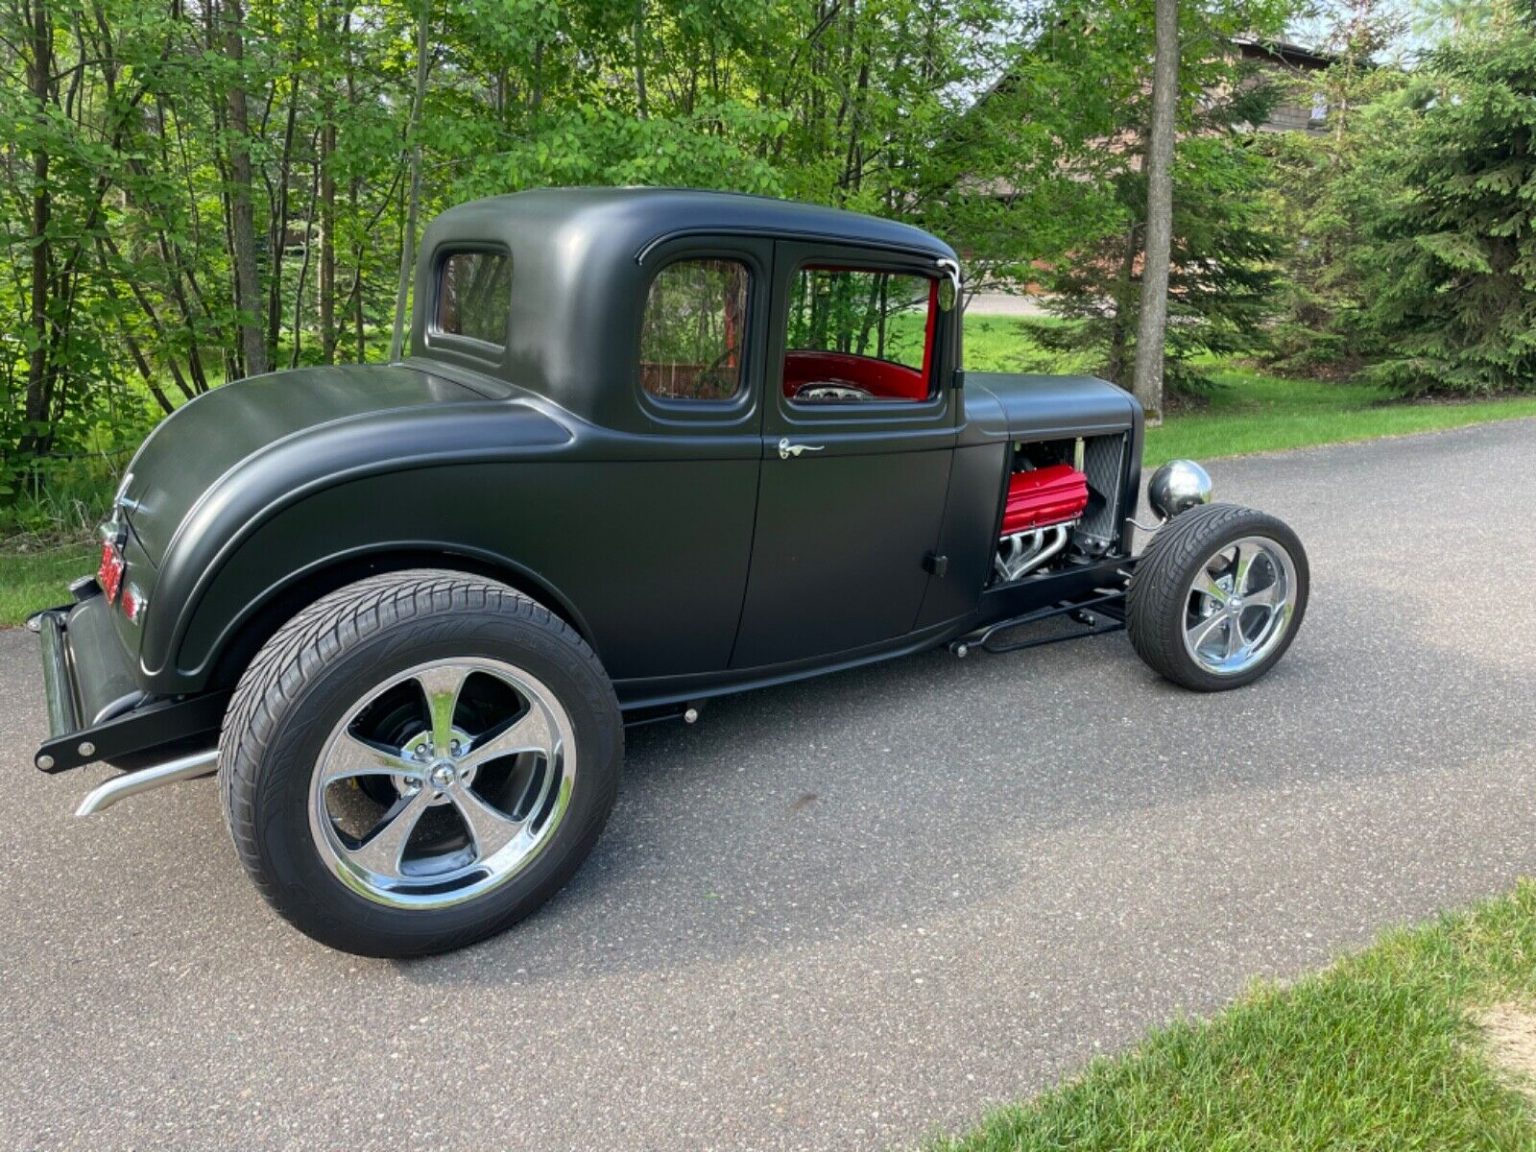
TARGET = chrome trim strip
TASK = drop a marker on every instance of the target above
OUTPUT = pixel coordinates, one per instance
(132, 783)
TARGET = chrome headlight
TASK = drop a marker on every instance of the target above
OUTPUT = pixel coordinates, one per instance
(1178, 486)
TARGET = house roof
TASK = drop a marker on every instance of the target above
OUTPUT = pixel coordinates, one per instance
(1296, 55)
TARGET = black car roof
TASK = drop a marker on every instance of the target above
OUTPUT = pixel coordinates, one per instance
(637, 218)
(581, 266)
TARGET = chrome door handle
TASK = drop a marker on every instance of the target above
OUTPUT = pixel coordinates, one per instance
(786, 449)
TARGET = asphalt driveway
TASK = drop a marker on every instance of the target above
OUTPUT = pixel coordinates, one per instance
(843, 914)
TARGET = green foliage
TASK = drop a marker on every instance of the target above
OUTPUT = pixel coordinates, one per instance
(192, 193)
(1452, 298)
(1326, 187)
(1221, 277)
(1224, 241)
(1416, 252)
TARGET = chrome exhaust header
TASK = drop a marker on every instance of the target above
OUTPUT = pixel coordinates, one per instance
(132, 783)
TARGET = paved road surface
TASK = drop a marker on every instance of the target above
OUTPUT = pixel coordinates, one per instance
(837, 915)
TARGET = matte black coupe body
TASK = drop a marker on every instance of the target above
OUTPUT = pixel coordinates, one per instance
(649, 447)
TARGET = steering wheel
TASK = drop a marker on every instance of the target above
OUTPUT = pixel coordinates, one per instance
(830, 391)
(711, 373)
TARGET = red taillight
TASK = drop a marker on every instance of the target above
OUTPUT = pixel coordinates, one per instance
(133, 603)
(110, 574)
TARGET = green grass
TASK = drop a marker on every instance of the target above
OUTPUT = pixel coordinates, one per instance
(1250, 412)
(1013, 344)
(36, 578)
(1246, 411)
(1380, 1051)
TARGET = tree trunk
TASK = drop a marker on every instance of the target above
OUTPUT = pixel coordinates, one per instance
(408, 244)
(328, 236)
(1120, 327)
(242, 219)
(35, 435)
(640, 101)
(1152, 331)
(277, 221)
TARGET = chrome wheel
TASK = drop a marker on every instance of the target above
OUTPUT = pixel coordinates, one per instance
(442, 783)
(1240, 605)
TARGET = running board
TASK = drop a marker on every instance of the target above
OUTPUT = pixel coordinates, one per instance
(1098, 615)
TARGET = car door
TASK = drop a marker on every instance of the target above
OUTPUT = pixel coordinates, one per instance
(859, 426)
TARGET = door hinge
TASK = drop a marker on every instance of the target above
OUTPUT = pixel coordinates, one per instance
(936, 564)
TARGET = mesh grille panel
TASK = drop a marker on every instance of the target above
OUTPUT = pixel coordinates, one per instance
(1104, 465)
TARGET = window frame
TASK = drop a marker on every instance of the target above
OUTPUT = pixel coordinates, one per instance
(678, 412)
(484, 351)
(933, 352)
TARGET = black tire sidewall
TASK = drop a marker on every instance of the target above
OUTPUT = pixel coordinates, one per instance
(1158, 595)
(296, 878)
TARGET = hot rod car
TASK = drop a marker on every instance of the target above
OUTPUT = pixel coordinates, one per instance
(648, 447)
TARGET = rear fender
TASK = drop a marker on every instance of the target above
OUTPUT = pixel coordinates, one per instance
(218, 645)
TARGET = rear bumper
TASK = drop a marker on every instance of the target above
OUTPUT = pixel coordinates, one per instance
(96, 710)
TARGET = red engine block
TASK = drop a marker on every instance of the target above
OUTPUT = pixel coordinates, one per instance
(1046, 496)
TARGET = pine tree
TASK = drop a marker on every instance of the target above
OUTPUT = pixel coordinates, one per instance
(1455, 299)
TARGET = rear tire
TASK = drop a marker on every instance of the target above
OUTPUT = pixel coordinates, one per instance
(418, 761)
(1217, 597)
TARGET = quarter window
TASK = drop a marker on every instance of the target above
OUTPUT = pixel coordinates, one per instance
(859, 334)
(474, 296)
(692, 335)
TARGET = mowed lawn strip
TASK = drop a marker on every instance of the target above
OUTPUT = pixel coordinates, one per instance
(1249, 412)
(1246, 411)
(1381, 1051)
(37, 579)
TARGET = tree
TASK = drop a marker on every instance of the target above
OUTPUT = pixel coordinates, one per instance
(242, 226)
(1223, 242)
(413, 195)
(1453, 294)
(1148, 377)
(1329, 186)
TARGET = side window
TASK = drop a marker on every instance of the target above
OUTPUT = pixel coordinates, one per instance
(693, 334)
(474, 296)
(858, 335)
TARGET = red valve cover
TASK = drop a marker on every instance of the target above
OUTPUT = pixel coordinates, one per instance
(1046, 496)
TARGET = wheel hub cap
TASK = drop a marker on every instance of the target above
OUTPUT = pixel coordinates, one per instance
(1240, 605)
(403, 824)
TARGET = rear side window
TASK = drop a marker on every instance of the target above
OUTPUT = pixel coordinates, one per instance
(693, 333)
(474, 296)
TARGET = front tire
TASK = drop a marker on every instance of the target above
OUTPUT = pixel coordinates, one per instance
(418, 761)
(1217, 597)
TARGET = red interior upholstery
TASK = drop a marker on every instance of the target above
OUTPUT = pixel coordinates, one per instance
(1046, 496)
(878, 377)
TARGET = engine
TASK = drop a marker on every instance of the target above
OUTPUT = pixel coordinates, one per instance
(1043, 505)
(1062, 502)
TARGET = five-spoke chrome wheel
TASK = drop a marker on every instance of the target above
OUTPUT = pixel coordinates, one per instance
(1217, 597)
(442, 782)
(1240, 605)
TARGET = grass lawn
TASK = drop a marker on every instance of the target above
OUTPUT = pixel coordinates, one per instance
(1251, 412)
(1381, 1051)
(36, 579)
